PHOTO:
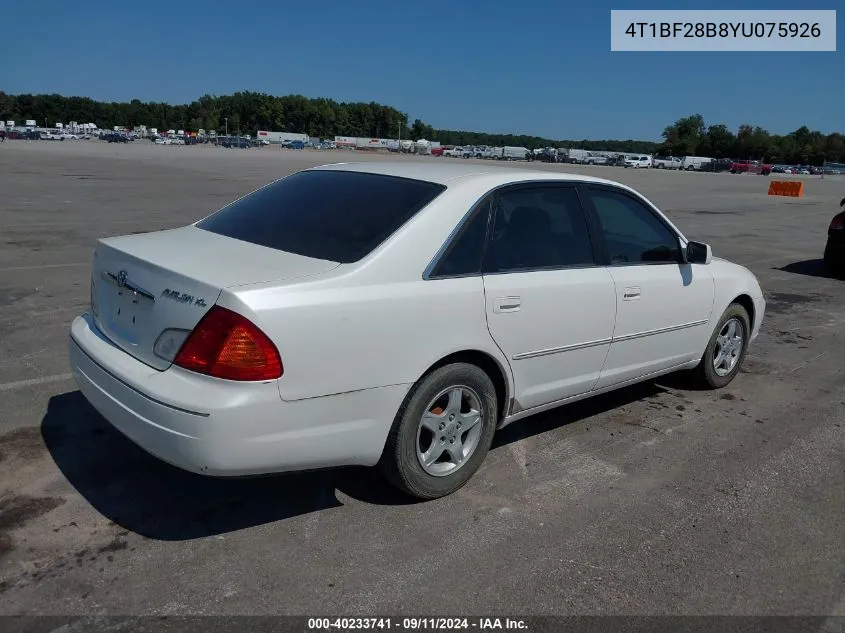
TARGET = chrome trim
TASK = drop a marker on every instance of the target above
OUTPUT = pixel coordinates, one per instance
(563, 348)
(663, 330)
(524, 413)
(606, 341)
(121, 282)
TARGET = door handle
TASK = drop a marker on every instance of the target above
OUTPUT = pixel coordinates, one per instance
(507, 304)
(631, 293)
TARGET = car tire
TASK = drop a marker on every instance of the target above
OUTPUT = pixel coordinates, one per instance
(711, 374)
(428, 419)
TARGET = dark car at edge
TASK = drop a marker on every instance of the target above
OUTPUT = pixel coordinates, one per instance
(834, 252)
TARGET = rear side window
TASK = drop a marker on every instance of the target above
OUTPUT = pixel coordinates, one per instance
(339, 216)
(538, 228)
(465, 254)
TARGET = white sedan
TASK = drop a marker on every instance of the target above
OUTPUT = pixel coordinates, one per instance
(397, 315)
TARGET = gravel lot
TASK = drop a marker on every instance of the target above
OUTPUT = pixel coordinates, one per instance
(653, 500)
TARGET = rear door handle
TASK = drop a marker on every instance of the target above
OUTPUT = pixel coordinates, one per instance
(507, 304)
(631, 293)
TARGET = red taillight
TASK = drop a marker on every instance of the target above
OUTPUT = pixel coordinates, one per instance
(838, 222)
(225, 344)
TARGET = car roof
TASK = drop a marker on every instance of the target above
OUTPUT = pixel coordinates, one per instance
(443, 173)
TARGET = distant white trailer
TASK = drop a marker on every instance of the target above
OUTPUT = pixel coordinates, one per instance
(346, 141)
(371, 143)
(281, 137)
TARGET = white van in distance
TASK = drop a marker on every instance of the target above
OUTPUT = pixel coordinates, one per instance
(695, 163)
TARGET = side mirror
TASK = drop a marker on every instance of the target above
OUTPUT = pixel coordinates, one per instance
(698, 253)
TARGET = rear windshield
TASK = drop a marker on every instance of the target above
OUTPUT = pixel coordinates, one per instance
(339, 216)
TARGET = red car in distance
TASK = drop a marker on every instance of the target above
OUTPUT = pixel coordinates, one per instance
(750, 167)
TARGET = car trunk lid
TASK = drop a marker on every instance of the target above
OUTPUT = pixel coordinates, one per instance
(145, 284)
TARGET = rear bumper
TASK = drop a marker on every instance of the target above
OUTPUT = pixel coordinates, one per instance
(224, 428)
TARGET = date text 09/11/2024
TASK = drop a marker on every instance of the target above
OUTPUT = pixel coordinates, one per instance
(415, 624)
(724, 29)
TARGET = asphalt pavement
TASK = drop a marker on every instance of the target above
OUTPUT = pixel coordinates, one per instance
(653, 500)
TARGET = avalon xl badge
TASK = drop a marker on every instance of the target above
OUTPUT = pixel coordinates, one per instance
(183, 297)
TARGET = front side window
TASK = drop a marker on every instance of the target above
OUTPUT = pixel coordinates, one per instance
(536, 228)
(339, 216)
(632, 233)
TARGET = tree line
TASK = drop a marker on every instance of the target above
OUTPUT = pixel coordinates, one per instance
(248, 112)
(690, 136)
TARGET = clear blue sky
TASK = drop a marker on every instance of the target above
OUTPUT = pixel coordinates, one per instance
(537, 67)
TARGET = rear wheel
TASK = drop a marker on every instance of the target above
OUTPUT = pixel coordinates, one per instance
(442, 432)
(726, 349)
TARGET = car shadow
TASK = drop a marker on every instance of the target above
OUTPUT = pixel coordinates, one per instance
(575, 412)
(142, 494)
(154, 499)
(809, 267)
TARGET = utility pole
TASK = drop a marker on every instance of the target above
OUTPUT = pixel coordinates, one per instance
(226, 119)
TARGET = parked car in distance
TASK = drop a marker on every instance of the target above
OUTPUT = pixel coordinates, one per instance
(750, 167)
(453, 152)
(667, 162)
(115, 137)
(558, 286)
(834, 250)
(696, 163)
(719, 165)
(595, 159)
(510, 152)
(638, 162)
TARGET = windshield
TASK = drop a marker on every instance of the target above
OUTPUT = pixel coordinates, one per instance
(339, 216)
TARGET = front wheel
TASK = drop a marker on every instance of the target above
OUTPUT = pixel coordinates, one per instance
(726, 349)
(442, 432)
